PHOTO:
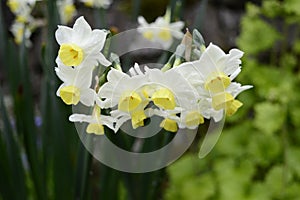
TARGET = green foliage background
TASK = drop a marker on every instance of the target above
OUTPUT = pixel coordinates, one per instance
(258, 154)
(256, 158)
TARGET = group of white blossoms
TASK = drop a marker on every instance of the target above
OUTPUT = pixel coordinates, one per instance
(25, 23)
(182, 96)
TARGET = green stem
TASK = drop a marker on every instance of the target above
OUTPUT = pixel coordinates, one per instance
(100, 18)
(136, 5)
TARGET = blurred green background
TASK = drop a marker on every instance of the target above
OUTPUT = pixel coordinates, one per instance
(256, 158)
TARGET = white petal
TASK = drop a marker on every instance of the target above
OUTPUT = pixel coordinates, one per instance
(108, 121)
(57, 91)
(176, 29)
(66, 74)
(100, 37)
(235, 73)
(83, 77)
(136, 70)
(177, 25)
(214, 50)
(115, 75)
(106, 92)
(236, 53)
(142, 21)
(218, 115)
(208, 62)
(80, 118)
(103, 61)
(81, 29)
(63, 34)
(106, 89)
(166, 44)
(121, 121)
(87, 97)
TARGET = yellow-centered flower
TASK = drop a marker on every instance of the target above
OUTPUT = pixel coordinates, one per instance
(129, 101)
(95, 121)
(81, 46)
(164, 98)
(169, 125)
(70, 94)
(70, 54)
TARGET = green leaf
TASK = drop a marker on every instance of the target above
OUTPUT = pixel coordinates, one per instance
(293, 160)
(288, 61)
(190, 179)
(198, 187)
(233, 140)
(233, 177)
(295, 115)
(269, 117)
(292, 191)
(276, 181)
(257, 35)
(186, 166)
(13, 174)
(272, 8)
(296, 46)
(292, 6)
(252, 10)
(258, 191)
(264, 149)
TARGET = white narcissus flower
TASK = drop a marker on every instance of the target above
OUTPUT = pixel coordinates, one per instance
(67, 10)
(212, 76)
(97, 3)
(21, 6)
(188, 110)
(191, 114)
(170, 120)
(167, 90)
(96, 121)
(81, 46)
(125, 92)
(122, 90)
(20, 32)
(76, 86)
(24, 23)
(161, 31)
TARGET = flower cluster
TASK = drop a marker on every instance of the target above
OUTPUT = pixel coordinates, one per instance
(161, 31)
(66, 10)
(183, 96)
(24, 23)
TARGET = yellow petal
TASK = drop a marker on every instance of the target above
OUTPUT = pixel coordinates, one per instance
(137, 118)
(19, 36)
(165, 34)
(69, 10)
(97, 112)
(70, 54)
(97, 129)
(13, 5)
(221, 100)
(169, 125)
(89, 3)
(164, 98)
(148, 35)
(129, 101)
(194, 118)
(217, 83)
(21, 19)
(232, 107)
(70, 94)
